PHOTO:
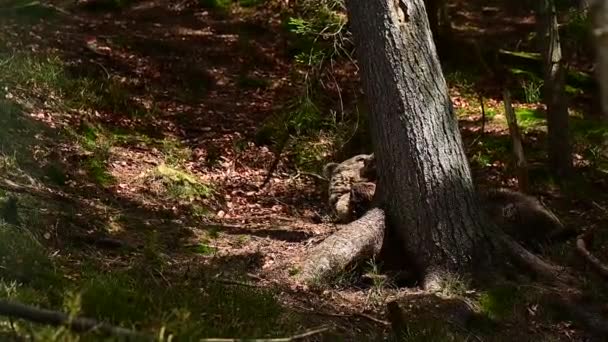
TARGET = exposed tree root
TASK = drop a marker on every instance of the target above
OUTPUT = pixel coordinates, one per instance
(364, 237)
(357, 240)
(535, 264)
(581, 246)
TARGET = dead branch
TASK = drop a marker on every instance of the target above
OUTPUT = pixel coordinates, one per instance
(581, 246)
(277, 159)
(521, 165)
(357, 240)
(8, 185)
(55, 318)
(234, 282)
(81, 324)
(301, 336)
(357, 314)
(313, 175)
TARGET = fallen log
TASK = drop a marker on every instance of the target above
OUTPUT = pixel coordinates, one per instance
(355, 241)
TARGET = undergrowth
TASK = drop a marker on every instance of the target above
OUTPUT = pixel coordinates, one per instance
(131, 298)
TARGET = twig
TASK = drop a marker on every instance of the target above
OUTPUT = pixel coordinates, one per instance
(284, 339)
(372, 318)
(9, 185)
(234, 282)
(276, 161)
(358, 314)
(55, 318)
(604, 210)
(313, 175)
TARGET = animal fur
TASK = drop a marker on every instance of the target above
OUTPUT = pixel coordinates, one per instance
(342, 177)
(526, 219)
(521, 216)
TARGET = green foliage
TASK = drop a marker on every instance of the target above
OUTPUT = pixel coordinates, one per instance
(48, 76)
(129, 298)
(204, 249)
(454, 285)
(499, 303)
(532, 90)
(97, 169)
(528, 118)
(97, 142)
(174, 152)
(490, 113)
(181, 185)
(25, 261)
(428, 331)
(116, 297)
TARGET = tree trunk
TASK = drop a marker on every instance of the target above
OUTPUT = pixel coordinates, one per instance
(599, 12)
(424, 180)
(521, 164)
(559, 148)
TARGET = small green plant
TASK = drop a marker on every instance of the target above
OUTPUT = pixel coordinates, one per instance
(428, 331)
(490, 113)
(482, 159)
(499, 302)
(200, 211)
(97, 169)
(532, 90)
(454, 285)
(180, 185)
(529, 118)
(23, 258)
(175, 153)
(204, 249)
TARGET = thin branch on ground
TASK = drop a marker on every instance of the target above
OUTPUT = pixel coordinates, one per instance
(358, 314)
(55, 318)
(301, 336)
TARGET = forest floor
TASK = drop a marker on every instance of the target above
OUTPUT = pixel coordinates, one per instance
(131, 139)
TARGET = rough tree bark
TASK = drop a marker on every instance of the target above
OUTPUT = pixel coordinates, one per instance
(358, 240)
(599, 13)
(424, 185)
(424, 180)
(559, 147)
(521, 165)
